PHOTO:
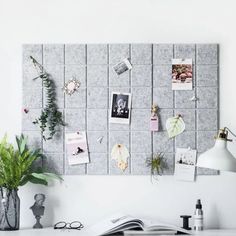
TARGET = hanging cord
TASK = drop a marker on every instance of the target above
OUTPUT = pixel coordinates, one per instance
(230, 131)
(39, 68)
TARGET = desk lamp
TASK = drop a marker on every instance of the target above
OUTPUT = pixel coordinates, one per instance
(219, 157)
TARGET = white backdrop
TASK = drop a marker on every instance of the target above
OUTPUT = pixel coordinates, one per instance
(115, 21)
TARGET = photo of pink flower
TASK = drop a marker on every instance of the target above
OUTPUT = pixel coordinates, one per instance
(182, 74)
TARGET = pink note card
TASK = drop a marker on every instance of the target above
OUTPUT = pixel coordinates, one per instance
(154, 124)
(76, 148)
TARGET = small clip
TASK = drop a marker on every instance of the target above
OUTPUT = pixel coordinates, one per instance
(154, 109)
(194, 98)
(99, 140)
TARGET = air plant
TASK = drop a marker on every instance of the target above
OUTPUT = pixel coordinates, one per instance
(158, 163)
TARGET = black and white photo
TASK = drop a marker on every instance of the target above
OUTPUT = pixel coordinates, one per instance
(122, 66)
(120, 108)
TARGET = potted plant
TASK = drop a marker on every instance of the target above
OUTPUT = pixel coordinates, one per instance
(17, 169)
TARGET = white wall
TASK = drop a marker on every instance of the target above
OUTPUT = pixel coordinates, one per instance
(166, 21)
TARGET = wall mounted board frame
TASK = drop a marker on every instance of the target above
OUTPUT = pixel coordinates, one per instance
(149, 82)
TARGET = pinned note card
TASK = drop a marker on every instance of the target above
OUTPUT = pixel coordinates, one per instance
(76, 148)
(154, 121)
(185, 164)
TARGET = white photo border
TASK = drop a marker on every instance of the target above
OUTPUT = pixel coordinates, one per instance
(117, 120)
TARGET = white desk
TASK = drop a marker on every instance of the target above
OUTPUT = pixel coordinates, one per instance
(52, 232)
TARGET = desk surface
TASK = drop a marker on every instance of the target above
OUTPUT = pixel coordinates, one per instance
(52, 232)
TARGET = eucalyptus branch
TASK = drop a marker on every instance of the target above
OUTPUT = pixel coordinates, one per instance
(50, 116)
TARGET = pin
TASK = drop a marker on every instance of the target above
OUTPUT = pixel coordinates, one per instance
(26, 110)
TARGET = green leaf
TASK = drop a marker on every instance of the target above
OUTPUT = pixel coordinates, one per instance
(39, 176)
(24, 180)
(36, 180)
(175, 126)
(53, 176)
(21, 143)
(46, 176)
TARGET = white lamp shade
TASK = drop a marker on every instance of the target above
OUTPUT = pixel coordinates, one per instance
(218, 157)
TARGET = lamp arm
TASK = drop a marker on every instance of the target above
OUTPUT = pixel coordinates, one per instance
(226, 128)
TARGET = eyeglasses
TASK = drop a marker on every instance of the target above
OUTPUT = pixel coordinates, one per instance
(73, 225)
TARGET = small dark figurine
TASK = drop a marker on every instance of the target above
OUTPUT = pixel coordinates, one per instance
(38, 209)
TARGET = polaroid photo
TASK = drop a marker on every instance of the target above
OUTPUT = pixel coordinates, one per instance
(120, 108)
(182, 74)
(77, 148)
(185, 164)
(122, 66)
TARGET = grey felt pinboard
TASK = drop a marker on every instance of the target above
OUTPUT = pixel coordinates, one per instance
(149, 82)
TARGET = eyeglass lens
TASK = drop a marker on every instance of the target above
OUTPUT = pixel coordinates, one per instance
(76, 225)
(60, 225)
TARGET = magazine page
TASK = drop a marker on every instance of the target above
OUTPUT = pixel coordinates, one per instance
(147, 233)
(115, 223)
(155, 225)
(122, 222)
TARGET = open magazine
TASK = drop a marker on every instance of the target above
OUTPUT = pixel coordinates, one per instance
(123, 223)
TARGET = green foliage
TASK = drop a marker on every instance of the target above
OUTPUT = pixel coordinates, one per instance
(16, 166)
(50, 116)
(157, 163)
